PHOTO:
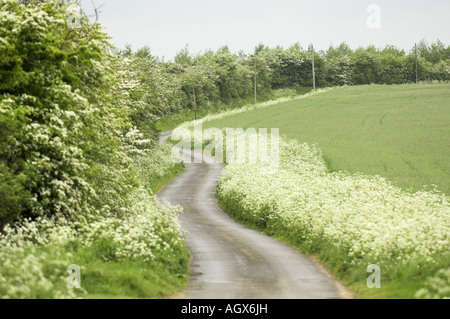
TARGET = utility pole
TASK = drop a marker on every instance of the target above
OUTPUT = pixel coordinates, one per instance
(256, 100)
(417, 72)
(313, 69)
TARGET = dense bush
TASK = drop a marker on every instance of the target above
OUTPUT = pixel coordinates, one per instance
(61, 135)
(390, 65)
(75, 128)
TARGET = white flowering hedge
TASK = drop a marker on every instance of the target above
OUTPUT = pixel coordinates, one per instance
(75, 163)
(34, 254)
(368, 216)
(147, 231)
(349, 220)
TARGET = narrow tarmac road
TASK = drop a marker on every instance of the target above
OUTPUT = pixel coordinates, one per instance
(230, 261)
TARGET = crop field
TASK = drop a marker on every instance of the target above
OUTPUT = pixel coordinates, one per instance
(399, 132)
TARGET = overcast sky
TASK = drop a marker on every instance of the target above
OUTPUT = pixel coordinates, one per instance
(167, 26)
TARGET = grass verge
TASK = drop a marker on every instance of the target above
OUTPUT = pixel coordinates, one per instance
(105, 277)
(158, 184)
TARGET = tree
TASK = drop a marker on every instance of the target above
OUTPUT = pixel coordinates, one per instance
(144, 53)
(127, 52)
(338, 65)
(62, 149)
(365, 64)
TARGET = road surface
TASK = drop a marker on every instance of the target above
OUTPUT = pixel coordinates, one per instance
(230, 261)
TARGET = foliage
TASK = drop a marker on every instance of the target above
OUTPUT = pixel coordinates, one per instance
(35, 253)
(436, 287)
(63, 135)
(210, 79)
(349, 221)
(74, 134)
(78, 136)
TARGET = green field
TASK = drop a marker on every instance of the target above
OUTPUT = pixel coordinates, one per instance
(399, 132)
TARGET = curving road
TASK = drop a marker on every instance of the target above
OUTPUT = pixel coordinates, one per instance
(230, 261)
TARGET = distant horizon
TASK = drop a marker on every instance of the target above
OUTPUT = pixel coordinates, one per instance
(167, 27)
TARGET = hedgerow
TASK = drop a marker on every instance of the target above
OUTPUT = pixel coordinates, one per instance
(71, 147)
(349, 221)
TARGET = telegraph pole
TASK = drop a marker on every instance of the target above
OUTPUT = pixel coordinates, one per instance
(417, 72)
(313, 69)
(256, 100)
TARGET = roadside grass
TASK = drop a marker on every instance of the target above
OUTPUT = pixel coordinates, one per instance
(400, 281)
(159, 183)
(400, 132)
(105, 277)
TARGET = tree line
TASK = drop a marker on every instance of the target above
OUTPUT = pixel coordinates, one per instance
(224, 77)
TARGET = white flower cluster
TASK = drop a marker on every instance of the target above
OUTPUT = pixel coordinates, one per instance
(26, 270)
(30, 273)
(366, 217)
(145, 230)
(436, 287)
(135, 143)
(39, 232)
(155, 166)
